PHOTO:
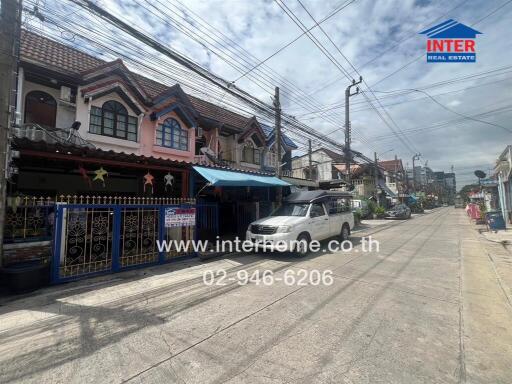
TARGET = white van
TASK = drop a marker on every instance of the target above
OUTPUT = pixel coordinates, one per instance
(304, 216)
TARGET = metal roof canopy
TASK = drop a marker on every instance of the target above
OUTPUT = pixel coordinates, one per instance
(222, 178)
(310, 196)
(386, 189)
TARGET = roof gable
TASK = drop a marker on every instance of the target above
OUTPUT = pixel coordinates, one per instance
(175, 95)
(42, 52)
(270, 137)
(253, 127)
(118, 87)
(450, 29)
(115, 68)
(333, 155)
(392, 165)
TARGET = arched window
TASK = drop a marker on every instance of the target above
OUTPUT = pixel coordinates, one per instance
(112, 119)
(40, 108)
(170, 134)
(250, 154)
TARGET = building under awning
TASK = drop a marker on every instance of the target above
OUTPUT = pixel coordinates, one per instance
(301, 182)
(386, 189)
(223, 178)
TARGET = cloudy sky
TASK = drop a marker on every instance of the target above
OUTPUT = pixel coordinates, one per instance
(377, 37)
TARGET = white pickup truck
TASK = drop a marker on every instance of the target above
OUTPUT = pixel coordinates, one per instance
(304, 216)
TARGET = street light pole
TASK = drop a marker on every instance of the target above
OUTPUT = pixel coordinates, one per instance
(348, 136)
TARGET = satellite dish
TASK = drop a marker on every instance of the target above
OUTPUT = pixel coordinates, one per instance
(480, 174)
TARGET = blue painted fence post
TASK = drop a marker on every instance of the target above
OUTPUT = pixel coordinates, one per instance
(116, 239)
(161, 232)
(56, 244)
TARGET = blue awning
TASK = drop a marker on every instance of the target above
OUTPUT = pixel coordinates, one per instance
(222, 178)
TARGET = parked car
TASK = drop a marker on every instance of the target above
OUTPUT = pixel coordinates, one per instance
(400, 211)
(362, 206)
(304, 216)
(459, 203)
(416, 208)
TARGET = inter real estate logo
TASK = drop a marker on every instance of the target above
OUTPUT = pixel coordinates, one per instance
(451, 42)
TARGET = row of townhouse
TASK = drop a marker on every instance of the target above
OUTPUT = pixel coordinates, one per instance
(329, 169)
(498, 188)
(494, 191)
(124, 112)
(95, 134)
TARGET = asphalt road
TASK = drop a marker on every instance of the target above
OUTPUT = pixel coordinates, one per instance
(433, 306)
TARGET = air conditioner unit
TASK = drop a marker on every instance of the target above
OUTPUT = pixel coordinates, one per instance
(65, 93)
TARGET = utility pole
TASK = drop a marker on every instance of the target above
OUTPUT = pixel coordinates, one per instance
(395, 175)
(376, 178)
(407, 188)
(310, 158)
(414, 158)
(348, 135)
(277, 111)
(454, 188)
(9, 18)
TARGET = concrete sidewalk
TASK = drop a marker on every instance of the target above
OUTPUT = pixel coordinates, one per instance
(487, 305)
(501, 236)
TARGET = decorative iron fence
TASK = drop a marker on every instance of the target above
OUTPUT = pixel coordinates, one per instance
(123, 200)
(139, 232)
(246, 213)
(102, 234)
(207, 224)
(30, 218)
(84, 240)
(104, 238)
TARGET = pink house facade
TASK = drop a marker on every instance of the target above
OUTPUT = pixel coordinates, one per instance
(165, 125)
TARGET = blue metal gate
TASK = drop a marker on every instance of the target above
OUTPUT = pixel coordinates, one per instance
(94, 239)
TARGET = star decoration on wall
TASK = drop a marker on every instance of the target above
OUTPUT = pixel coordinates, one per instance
(100, 175)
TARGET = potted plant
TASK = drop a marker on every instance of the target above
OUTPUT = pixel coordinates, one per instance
(26, 276)
(357, 217)
(380, 212)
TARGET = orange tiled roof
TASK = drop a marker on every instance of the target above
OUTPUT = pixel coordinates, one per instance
(391, 165)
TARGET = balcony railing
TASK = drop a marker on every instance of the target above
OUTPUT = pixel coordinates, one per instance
(205, 160)
(202, 159)
(35, 132)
